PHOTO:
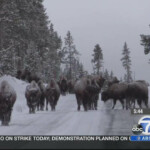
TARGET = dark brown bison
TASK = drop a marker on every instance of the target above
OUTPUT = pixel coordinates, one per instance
(41, 102)
(33, 77)
(138, 90)
(63, 85)
(71, 84)
(114, 80)
(84, 91)
(7, 100)
(52, 94)
(98, 82)
(117, 91)
(19, 73)
(32, 95)
(26, 75)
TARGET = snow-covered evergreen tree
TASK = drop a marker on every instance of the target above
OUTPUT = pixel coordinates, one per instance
(145, 41)
(70, 54)
(32, 58)
(126, 62)
(111, 75)
(97, 60)
(53, 60)
(106, 75)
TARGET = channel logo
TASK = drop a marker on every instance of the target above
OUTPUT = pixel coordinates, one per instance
(145, 123)
(137, 129)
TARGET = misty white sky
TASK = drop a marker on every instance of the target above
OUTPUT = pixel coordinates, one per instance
(109, 23)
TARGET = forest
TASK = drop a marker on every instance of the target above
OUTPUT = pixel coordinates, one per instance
(28, 40)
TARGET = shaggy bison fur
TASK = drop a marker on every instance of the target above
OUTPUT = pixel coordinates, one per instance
(85, 89)
(7, 100)
(138, 90)
(32, 95)
(41, 102)
(52, 94)
(117, 91)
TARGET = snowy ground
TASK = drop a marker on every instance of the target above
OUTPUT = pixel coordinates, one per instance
(66, 120)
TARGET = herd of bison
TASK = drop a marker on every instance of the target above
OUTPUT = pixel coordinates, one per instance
(86, 90)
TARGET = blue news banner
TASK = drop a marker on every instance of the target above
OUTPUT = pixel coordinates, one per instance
(140, 138)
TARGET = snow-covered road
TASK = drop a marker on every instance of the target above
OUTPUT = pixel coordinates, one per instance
(66, 120)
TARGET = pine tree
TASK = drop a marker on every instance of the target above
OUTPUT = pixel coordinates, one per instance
(53, 60)
(106, 75)
(111, 75)
(70, 53)
(145, 41)
(97, 59)
(32, 58)
(126, 62)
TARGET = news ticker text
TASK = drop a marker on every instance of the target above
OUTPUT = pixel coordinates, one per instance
(64, 138)
(71, 138)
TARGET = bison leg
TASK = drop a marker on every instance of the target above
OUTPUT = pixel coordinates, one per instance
(85, 107)
(122, 102)
(42, 105)
(85, 104)
(78, 102)
(52, 104)
(139, 101)
(95, 105)
(96, 101)
(132, 103)
(30, 110)
(47, 104)
(146, 102)
(114, 103)
(53, 108)
(33, 109)
(38, 106)
(5, 119)
(127, 103)
(90, 105)
(78, 108)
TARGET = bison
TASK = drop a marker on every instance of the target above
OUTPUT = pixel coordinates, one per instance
(97, 81)
(41, 102)
(138, 90)
(63, 85)
(117, 91)
(52, 94)
(26, 75)
(7, 100)
(32, 95)
(94, 91)
(71, 84)
(19, 73)
(33, 77)
(84, 91)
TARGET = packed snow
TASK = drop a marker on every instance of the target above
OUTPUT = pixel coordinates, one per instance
(66, 120)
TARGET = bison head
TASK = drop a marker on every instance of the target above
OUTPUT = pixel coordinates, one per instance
(105, 96)
(100, 81)
(33, 96)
